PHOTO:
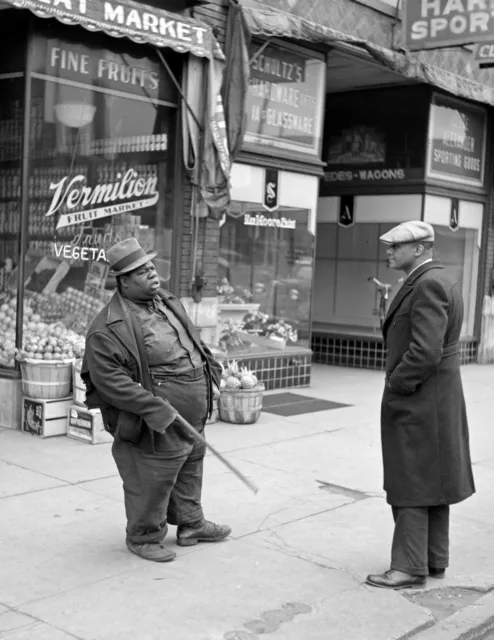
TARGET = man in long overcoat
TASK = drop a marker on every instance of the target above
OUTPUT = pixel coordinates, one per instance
(424, 429)
(144, 363)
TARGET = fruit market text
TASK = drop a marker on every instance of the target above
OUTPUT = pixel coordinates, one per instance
(102, 68)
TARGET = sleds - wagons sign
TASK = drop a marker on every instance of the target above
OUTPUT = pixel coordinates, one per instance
(431, 24)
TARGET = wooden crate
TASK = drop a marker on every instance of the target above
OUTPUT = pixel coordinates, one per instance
(86, 425)
(45, 418)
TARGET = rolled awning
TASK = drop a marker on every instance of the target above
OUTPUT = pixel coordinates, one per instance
(126, 18)
(315, 21)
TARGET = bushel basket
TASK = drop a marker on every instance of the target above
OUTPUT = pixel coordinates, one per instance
(47, 380)
(241, 406)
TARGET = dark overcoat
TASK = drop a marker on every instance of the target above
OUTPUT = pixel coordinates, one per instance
(114, 374)
(424, 429)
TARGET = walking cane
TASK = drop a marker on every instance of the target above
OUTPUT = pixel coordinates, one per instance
(188, 427)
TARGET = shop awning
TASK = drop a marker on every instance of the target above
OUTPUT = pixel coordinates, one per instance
(126, 18)
(315, 21)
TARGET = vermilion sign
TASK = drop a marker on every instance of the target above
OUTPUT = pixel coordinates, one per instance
(432, 24)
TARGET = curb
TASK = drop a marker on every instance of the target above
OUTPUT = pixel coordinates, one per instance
(470, 623)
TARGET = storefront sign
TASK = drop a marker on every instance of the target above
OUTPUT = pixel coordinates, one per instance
(115, 197)
(270, 200)
(485, 55)
(136, 21)
(366, 144)
(284, 102)
(105, 69)
(69, 252)
(346, 214)
(430, 24)
(454, 215)
(457, 134)
(366, 175)
(262, 221)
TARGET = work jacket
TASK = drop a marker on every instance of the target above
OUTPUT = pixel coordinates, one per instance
(424, 429)
(115, 376)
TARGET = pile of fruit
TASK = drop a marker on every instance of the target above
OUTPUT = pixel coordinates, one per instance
(41, 341)
(74, 307)
(53, 342)
(235, 377)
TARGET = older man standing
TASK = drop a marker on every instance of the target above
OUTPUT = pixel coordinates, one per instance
(424, 430)
(145, 362)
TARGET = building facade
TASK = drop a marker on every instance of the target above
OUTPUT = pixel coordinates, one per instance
(92, 132)
(335, 133)
(405, 136)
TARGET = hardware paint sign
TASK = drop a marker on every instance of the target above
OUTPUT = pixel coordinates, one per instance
(284, 105)
(432, 24)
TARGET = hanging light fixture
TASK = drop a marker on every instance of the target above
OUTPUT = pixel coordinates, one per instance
(75, 114)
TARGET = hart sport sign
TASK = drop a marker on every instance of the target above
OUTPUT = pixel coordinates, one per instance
(432, 24)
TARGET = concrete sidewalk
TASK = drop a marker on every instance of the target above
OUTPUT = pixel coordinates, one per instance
(295, 566)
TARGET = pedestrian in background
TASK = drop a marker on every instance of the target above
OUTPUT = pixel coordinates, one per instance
(424, 429)
(144, 362)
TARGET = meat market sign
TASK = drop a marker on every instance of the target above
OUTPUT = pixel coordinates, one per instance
(432, 24)
(136, 21)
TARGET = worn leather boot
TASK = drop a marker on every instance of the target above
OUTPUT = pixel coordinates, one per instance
(203, 531)
(153, 551)
(392, 579)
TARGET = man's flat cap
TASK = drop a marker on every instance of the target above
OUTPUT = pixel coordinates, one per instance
(413, 231)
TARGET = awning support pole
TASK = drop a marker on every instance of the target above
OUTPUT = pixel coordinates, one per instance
(260, 50)
(178, 88)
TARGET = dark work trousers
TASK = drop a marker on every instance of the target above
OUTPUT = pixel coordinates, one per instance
(421, 539)
(166, 486)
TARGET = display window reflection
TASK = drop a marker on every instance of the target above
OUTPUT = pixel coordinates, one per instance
(265, 278)
(11, 117)
(102, 145)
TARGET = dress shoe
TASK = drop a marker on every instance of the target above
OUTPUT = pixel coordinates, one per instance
(153, 551)
(204, 531)
(392, 579)
(439, 574)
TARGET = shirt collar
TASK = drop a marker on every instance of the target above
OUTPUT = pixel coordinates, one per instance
(418, 266)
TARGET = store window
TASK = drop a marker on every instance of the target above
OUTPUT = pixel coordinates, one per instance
(12, 47)
(101, 169)
(346, 301)
(266, 264)
(11, 116)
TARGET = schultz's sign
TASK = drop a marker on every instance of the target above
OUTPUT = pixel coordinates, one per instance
(81, 204)
(456, 141)
(431, 24)
(284, 104)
